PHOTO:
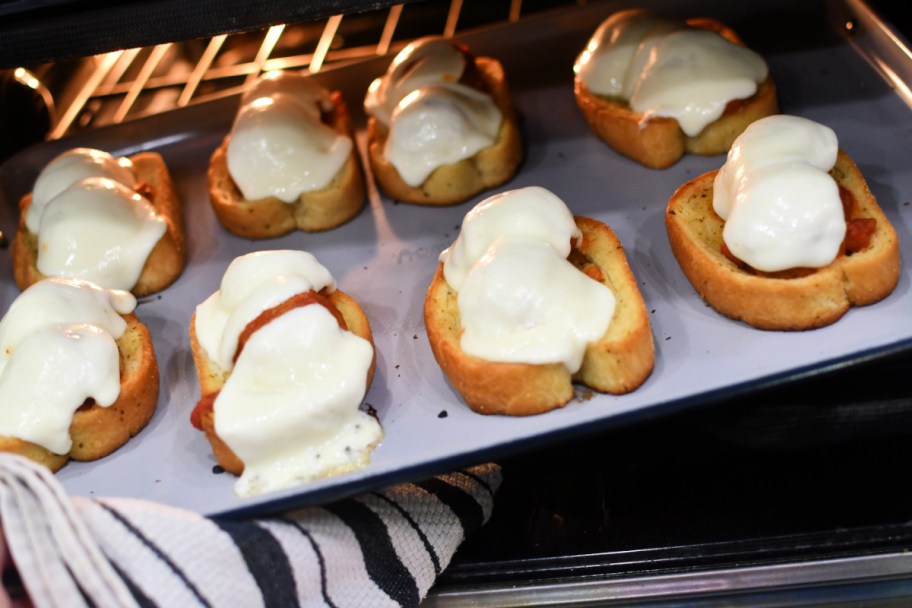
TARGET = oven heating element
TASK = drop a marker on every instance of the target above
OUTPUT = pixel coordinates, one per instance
(121, 85)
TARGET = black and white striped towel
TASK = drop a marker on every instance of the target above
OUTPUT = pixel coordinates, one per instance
(378, 549)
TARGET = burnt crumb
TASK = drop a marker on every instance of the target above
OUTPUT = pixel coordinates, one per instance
(415, 337)
(397, 366)
(584, 395)
(442, 414)
(217, 469)
(457, 226)
(371, 411)
(653, 311)
(906, 204)
(667, 338)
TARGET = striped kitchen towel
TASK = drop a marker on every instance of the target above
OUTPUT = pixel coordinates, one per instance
(382, 548)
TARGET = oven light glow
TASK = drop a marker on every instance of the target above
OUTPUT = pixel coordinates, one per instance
(25, 77)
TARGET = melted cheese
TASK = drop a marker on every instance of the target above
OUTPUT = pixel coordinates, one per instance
(98, 230)
(781, 207)
(58, 342)
(252, 284)
(519, 298)
(67, 169)
(531, 212)
(279, 146)
(290, 407)
(668, 70)
(433, 119)
(523, 302)
(427, 61)
(301, 89)
(439, 125)
(609, 55)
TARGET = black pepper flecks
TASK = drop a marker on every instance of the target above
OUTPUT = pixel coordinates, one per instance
(217, 470)
(442, 414)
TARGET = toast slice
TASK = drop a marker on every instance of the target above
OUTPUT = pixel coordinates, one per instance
(314, 211)
(454, 183)
(167, 259)
(212, 378)
(98, 431)
(617, 363)
(813, 299)
(659, 141)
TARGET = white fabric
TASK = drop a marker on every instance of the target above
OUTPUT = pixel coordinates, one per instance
(379, 549)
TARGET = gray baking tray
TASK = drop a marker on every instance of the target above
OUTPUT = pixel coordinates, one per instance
(834, 62)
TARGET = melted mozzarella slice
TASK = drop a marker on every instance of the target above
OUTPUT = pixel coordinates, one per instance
(664, 68)
(57, 349)
(301, 89)
(781, 139)
(605, 63)
(290, 409)
(60, 302)
(280, 149)
(427, 61)
(691, 75)
(98, 230)
(70, 167)
(438, 125)
(523, 302)
(781, 207)
(50, 374)
(252, 284)
(531, 212)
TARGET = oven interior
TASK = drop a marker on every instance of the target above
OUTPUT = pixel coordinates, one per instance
(792, 495)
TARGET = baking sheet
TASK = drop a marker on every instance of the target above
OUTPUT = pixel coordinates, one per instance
(387, 255)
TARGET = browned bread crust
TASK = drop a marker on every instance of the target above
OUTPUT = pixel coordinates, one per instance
(167, 259)
(212, 378)
(456, 182)
(806, 302)
(98, 431)
(314, 211)
(617, 363)
(659, 142)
